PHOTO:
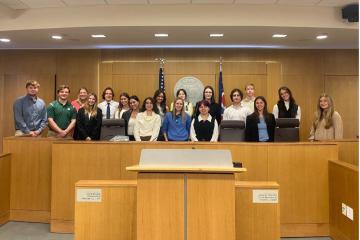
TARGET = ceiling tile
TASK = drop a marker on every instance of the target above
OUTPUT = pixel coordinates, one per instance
(14, 4)
(298, 2)
(169, 1)
(212, 1)
(43, 3)
(336, 3)
(255, 1)
(126, 2)
(83, 2)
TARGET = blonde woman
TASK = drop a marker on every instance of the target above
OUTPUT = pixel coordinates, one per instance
(88, 120)
(181, 93)
(82, 97)
(176, 125)
(327, 123)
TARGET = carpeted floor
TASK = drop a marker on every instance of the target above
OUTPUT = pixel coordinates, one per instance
(40, 231)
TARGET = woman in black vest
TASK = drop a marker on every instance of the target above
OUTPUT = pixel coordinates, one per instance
(204, 127)
(260, 125)
(214, 108)
(286, 106)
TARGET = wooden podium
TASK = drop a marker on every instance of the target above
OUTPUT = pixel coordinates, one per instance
(185, 194)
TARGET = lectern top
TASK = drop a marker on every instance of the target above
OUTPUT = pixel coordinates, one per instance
(185, 158)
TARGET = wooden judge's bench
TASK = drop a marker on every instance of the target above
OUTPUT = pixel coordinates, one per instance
(38, 177)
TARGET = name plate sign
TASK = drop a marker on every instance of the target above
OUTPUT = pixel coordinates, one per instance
(88, 195)
(265, 196)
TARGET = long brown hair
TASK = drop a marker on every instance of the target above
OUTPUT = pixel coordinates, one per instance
(92, 110)
(183, 114)
(321, 114)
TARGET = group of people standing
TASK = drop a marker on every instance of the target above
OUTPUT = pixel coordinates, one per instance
(153, 120)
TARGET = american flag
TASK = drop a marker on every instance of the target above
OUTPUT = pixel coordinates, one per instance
(221, 92)
(161, 79)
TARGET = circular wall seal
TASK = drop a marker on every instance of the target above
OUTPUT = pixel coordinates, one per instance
(193, 86)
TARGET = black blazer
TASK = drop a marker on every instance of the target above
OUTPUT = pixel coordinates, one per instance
(88, 127)
(126, 116)
(215, 111)
(252, 131)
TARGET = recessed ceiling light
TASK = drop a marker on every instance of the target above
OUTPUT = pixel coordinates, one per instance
(322, 36)
(161, 35)
(98, 36)
(279, 35)
(4, 40)
(58, 37)
(216, 35)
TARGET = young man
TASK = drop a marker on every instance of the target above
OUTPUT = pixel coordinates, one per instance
(30, 112)
(61, 115)
(249, 99)
(108, 106)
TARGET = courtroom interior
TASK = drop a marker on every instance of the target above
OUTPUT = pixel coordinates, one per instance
(179, 119)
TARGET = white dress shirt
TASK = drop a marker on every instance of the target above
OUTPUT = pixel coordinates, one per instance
(236, 113)
(249, 104)
(113, 107)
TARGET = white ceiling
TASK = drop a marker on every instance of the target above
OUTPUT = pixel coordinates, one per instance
(136, 37)
(31, 4)
(132, 23)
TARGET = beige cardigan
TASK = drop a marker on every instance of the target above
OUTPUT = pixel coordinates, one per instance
(334, 132)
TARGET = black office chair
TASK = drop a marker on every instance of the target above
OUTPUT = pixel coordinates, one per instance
(232, 131)
(287, 130)
(111, 128)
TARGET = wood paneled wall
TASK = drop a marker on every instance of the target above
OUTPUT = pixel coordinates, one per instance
(306, 72)
(262, 218)
(114, 218)
(74, 67)
(5, 188)
(300, 169)
(30, 178)
(349, 151)
(343, 188)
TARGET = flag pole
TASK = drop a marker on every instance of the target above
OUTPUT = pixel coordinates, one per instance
(161, 73)
(221, 88)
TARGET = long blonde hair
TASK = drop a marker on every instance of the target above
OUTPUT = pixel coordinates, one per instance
(183, 114)
(327, 114)
(92, 110)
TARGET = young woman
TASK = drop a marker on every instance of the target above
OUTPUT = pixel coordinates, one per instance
(236, 111)
(88, 120)
(327, 123)
(160, 99)
(286, 107)
(123, 105)
(249, 99)
(189, 109)
(177, 123)
(204, 127)
(130, 117)
(214, 108)
(82, 97)
(260, 125)
(148, 122)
